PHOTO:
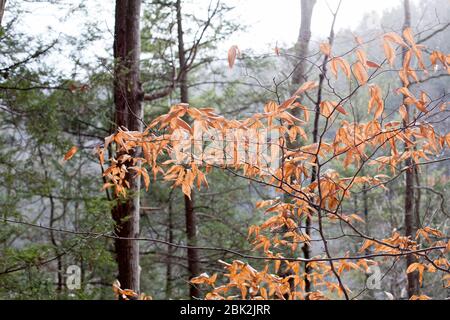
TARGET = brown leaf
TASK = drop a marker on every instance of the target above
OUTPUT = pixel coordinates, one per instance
(341, 109)
(372, 64)
(232, 54)
(325, 48)
(338, 61)
(308, 85)
(395, 38)
(389, 52)
(69, 154)
(360, 73)
(362, 57)
(403, 112)
(412, 267)
(407, 34)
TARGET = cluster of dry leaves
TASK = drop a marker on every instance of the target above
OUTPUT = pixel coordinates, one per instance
(380, 143)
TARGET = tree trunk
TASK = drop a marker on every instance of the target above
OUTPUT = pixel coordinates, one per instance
(192, 253)
(410, 225)
(128, 114)
(170, 250)
(191, 221)
(2, 10)
(298, 78)
(302, 46)
(418, 199)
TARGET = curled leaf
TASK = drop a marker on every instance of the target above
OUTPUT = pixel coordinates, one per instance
(395, 38)
(308, 85)
(339, 62)
(403, 113)
(232, 54)
(360, 73)
(389, 52)
(407, 34)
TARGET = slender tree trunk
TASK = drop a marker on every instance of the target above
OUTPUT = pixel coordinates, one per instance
(128, 114)
(410, 225)
(2, 10)
(191, 220)
(302, 46)
(315, 135)
(170, 250)
(52, 220)
(192, 253)
(298, 78)
(418, 198)
(367, 229)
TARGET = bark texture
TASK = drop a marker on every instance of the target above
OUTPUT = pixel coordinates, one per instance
(190, 216)
(128, 114)
(410, 223)
(299, 75)
(2, 10)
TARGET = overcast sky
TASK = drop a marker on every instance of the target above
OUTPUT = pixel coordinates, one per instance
(269, 21)
(278, 20)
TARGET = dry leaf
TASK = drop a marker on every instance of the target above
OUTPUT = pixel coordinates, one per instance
(325, 48)
(360, 73)
(308, 85)
(389, 52)
(407, 34)
(403, 113)
(69, 154)
(338, 61)
(372, 64)
(233, 52)
(395, 38)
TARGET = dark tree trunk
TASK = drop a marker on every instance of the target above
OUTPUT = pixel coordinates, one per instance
(128, 114)
(191, 221)
(192, 253)
(170, 249)
(410, 224)
(2, 10)
(418, 197)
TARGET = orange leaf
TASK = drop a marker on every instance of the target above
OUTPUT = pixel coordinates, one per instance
(308, 85)
(341, 109)
(389, 52)
(361, 56)
(70, 153)
(338, 61)
(360, 73)
(393, 37)
(372, 64)
(407, 34)
(232, 54)
(413, 267)
(421, 297)
(325, 48)
(375, 99)
(403, 113)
